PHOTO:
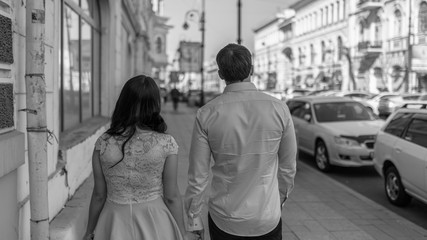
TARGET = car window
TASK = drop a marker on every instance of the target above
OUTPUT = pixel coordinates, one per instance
(417, 132)
(342, 111)
(398, 124)
(298, 108)
(423, 98)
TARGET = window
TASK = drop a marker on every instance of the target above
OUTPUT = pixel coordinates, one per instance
(417, 132)
(377, 30)
(397, 23)
(79, 63)
(323, 47)
(299, 109)
(398, 124)
(361, 32)
(321, 17)
(326, 16)
(422, 18)
(159, 45)
(342, 111)
(332, 13)
(338, 11)
(340, 47)
(312, 54)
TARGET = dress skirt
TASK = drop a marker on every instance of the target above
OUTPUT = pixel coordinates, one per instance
(150, 220)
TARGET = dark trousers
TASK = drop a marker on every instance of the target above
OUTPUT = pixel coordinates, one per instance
(218, 234)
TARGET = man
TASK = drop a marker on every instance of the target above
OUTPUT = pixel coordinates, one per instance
(175, 94)
(252, 141)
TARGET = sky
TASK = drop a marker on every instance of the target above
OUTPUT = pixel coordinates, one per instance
(221, 22)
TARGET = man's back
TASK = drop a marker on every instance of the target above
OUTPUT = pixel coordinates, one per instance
(244, 130)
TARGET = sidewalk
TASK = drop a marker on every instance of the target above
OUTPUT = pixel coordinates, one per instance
(319, 208)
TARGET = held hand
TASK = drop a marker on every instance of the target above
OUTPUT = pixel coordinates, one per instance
(191, 236)
(88, 236)
(201, 234)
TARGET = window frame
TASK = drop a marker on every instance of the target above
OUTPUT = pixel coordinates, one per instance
(404, 128)
(94, 21)
(405, 132)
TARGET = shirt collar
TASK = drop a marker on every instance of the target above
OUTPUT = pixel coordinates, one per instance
(240, 86)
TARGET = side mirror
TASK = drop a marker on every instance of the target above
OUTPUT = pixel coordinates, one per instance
(307, 117)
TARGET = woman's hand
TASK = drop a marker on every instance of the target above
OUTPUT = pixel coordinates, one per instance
(88, 236)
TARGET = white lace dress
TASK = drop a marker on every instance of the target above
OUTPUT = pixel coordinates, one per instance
(134, 209)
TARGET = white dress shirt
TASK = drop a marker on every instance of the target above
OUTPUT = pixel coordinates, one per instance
(252, 140)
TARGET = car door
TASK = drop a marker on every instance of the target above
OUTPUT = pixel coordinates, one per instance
(296, 109)
(411, 151)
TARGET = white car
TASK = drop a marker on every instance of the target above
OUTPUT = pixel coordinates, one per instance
(337, 131)
(401, 154)
(374, 101)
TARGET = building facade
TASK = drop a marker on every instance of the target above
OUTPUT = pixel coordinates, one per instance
(91, 48)
(269, 61)
(320, 31)
(388, 46)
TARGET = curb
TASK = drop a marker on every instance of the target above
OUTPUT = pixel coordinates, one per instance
(375, 205)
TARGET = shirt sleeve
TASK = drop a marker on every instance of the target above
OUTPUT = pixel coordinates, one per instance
(287, 157)
(198, 175)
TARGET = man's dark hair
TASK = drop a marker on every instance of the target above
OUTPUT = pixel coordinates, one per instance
(234, 62)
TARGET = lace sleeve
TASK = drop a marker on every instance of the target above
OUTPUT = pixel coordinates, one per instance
(100, 144)
(172, 146)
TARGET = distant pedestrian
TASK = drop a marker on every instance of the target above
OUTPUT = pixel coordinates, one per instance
(135, 163)
(252, 141)
(175, 95)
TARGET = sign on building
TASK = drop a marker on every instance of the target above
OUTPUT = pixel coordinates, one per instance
(190, 56)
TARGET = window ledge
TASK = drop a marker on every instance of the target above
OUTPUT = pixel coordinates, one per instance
(72, 137)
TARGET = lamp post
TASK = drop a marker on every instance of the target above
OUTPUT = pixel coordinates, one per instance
(239, 21)
(202, 45)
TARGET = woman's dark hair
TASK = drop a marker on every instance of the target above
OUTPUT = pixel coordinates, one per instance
(138, 106)
(234, 62)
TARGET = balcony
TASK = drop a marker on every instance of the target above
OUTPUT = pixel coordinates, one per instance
(369, 4)
(370, 46)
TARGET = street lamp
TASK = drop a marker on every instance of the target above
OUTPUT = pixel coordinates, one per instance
(190, 14)
(239, 21)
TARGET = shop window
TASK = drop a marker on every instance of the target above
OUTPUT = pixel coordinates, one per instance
(79, 81)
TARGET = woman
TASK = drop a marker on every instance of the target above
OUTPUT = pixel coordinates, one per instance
(135, 163)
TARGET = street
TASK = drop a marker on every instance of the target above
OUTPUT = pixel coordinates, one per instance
(367, 182)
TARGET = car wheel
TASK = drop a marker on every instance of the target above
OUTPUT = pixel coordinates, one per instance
(321, 156)
(394, 188)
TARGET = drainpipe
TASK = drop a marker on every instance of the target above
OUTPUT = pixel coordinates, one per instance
(36, 119)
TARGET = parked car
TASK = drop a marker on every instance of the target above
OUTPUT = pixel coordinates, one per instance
(354, 95)
(193, 97)
(422, 97)
(389, 104)
(374, 100)
(400, 154)
(275, 93)
(335, 130)
(411, 96)
(293, 93)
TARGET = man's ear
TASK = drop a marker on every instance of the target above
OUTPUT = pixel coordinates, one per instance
(220, 74)
(252, 70)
